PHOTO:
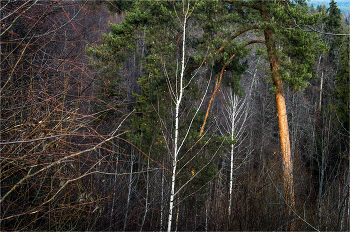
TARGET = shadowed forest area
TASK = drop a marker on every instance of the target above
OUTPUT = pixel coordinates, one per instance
(174, 115)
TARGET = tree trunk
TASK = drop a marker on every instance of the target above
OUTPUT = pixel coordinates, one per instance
(176, 138)
(129, 191)
(282, 123)
(147, 188)
(233, 115)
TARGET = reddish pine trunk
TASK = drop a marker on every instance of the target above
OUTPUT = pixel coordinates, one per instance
(282, 123)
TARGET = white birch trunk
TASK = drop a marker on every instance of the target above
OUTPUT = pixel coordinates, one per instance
(320, 193)
(176, 139)
(114, 183)
(236, 111)
(206, 216)
(146, 205)
(177, 214)
(348, 227)
(320, 101)
(129, 192)
(346, 199)
(233, 119)
(162, 201)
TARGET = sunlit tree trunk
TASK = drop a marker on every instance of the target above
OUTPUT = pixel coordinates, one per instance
(282, 122)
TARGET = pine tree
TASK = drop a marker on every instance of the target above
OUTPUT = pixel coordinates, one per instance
(333, 21)
(342, 82)
(333, 25)
(290, 51)
(151, 31)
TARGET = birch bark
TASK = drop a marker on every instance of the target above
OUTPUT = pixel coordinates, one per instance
(176, 138)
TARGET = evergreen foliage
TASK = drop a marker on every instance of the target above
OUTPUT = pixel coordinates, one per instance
(151, 31)
(160, 132)
(332, 24)
(342, 82)
(150, 38)
(333, 20)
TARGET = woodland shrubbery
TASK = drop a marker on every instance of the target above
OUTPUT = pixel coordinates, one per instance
(155, 115)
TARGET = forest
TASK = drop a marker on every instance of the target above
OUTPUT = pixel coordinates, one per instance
(189, 115)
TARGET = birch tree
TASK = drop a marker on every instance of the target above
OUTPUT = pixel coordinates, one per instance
(163, 103)
(178, 90)
(273, 16)
(236, 113)
(178, 98)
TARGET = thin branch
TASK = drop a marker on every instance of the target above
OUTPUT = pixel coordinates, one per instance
(247, 4)
(63, 159)
(32, 140)
(288, 204)
(219, 82)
